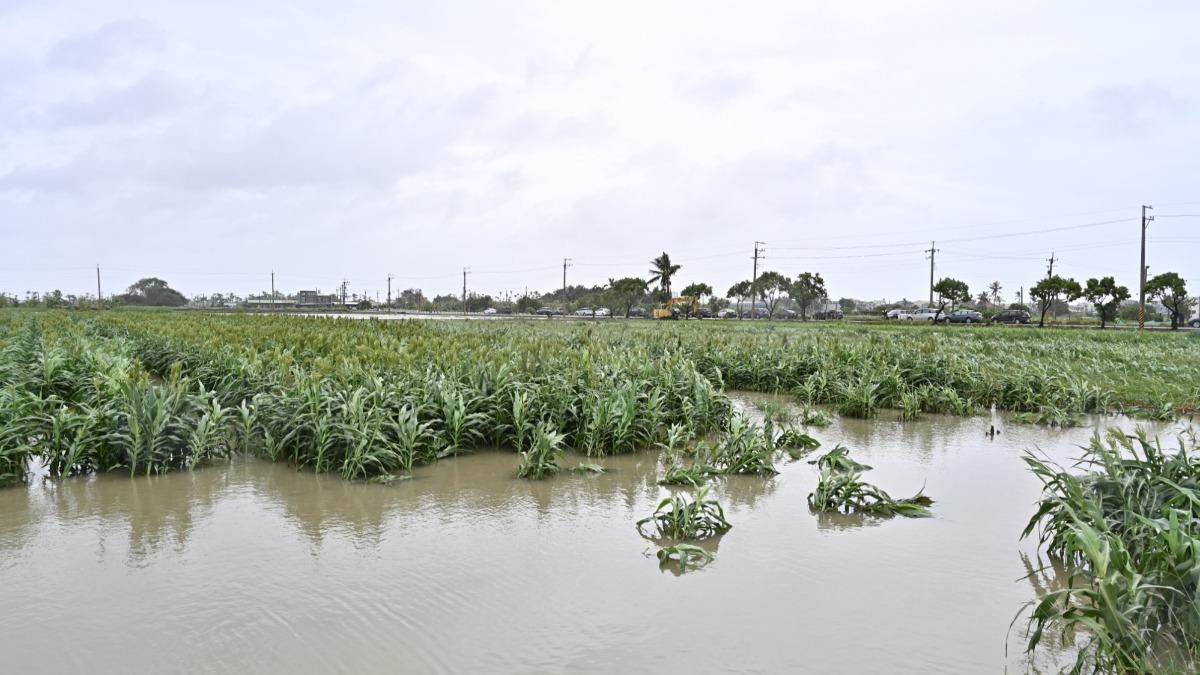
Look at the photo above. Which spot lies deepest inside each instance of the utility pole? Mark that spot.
(1050, 273)
(344, 282)
(272, 290)
(758, 251)
(1142, 270)
(933, 251)
(389, 291)
(99, 298)
(465, 271)
(566, 264)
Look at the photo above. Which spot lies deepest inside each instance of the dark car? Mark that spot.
(756, 313)
(637, 313)
(549, 311)
(704, 313)
(829, 315)
(1011, 316)
(965, 316)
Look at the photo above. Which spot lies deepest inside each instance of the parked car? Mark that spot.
(830, 315)
(490, 310)
(756, 313)
(584, 311)
(603, 312)
(549, 311)
(704, 313)
(965, 316)
(727, 313)
(637, 313)
(788, 314)
(1011, 316)
(922, 314)
(896, 314)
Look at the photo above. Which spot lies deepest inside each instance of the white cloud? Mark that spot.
(350, 141)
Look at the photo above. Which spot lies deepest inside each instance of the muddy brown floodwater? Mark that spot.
(253, 567)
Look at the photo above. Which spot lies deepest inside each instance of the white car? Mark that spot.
(895, 314)
(490, 310)
(583, 311)
(603, 312)
(923, 314)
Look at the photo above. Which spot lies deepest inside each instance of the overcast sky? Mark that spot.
(210, 143)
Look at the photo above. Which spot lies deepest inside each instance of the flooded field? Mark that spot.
(256, 567)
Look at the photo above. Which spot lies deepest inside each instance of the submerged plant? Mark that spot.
(840, 488)
(588, 468)
(680, 517)
(683, 554)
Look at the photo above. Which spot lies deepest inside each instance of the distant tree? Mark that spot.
(983, 299)
(847, 305)
(807, 289)
(740, 290)
(1049, 289)
(1106, 296)
(697, 290)
(1171, 290)
(1129, 312)
(950, 292)
(994, 289)
(411, 298)
(628, 292)
(770, 287)
(152, 292)
(661, 271)
(526, 304)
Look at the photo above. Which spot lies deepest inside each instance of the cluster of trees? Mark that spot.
(771, 288)
(1107, 296)
(149, 292)
(1054, 292)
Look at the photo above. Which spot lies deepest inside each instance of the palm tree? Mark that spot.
(983, 298)
(661, 271)
(994, 288)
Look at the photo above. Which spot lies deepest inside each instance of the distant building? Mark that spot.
(316, 299)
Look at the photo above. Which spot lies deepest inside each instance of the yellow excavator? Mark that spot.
(687, 305)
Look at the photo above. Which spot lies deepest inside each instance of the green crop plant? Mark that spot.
(541, 458)
(1129, 525)
(840, 488)
(681, 517)
(683, 555)
(584, 467)
(743, 448)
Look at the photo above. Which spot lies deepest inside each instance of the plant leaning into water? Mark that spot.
(541, 458)
(840, 489)
(683, 554)
(681, 517)
(1130, 527)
